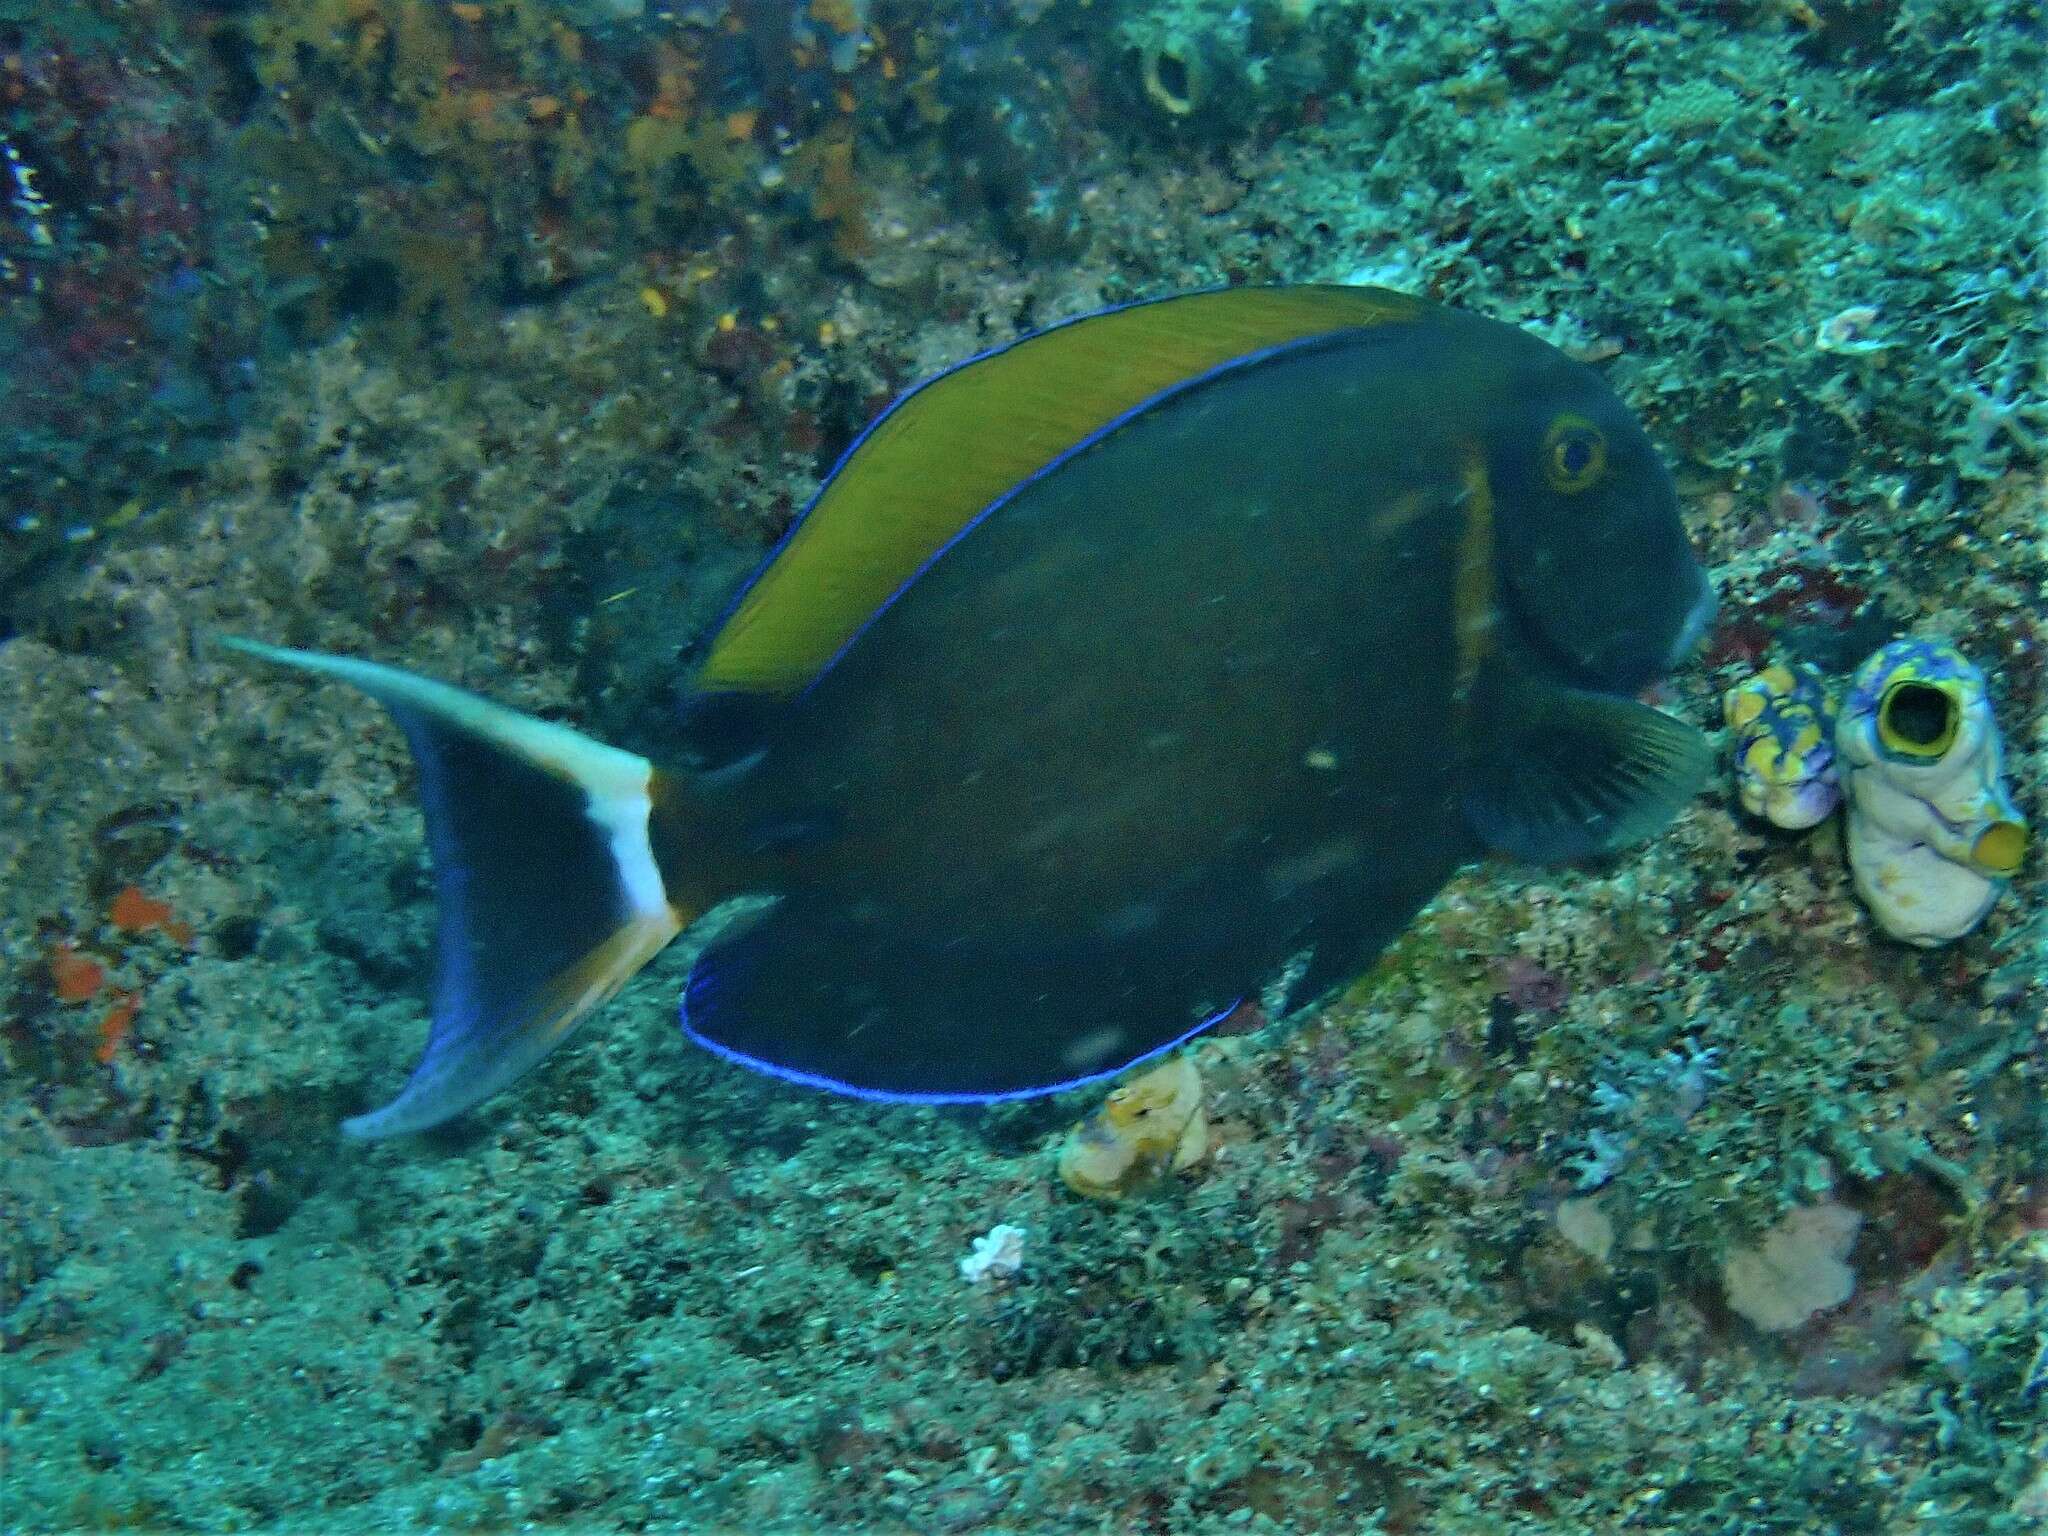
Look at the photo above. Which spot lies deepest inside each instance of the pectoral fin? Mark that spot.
(1569, 775)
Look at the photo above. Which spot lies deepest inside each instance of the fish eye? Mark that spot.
(1574, 454)
(1917, 720)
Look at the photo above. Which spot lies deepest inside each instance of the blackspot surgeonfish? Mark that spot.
(1171, 656)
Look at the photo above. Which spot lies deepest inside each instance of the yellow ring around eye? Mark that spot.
(1918, 719)
(2000, 847)
(1574, 454)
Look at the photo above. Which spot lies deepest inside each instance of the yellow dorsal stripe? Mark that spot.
(950, 448)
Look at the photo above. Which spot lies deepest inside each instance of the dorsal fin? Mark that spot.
(952, 446)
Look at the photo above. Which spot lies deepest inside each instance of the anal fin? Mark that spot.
(875, 1008)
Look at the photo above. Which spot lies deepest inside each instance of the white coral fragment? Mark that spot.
(1799, 1268)
(996, 1255)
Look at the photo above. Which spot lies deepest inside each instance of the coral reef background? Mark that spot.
(500, 337)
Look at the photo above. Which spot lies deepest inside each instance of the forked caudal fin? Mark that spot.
(550, 896)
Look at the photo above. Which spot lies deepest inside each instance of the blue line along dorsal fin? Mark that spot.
(549, 895)
(954, 446)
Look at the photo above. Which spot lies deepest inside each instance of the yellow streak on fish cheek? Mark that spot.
(1472, 593)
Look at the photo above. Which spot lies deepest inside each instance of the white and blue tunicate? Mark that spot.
(1784, 724)
(1933, 833)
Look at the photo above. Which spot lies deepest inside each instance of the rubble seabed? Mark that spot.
(1506, 1238)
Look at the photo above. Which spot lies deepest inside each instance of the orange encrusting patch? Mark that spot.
(115, 1027)
(133, 912)
(74, 977)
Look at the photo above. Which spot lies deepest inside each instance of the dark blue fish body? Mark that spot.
(1189, 691)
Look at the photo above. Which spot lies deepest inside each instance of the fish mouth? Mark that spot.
(1695, 627)
(1634, 659)
(1623, 664)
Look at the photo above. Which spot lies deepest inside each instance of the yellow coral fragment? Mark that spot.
(1151, 1126)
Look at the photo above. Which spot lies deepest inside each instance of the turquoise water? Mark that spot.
(1698, 1186)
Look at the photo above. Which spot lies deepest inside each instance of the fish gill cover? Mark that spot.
(502, 339)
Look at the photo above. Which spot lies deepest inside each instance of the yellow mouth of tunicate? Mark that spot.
(2000, 847)
(1918, 720)
(1171, 80)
